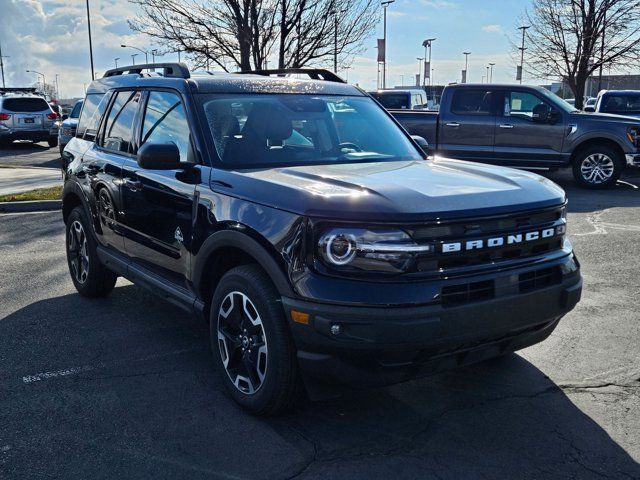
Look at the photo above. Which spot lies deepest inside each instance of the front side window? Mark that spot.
(471, 102)
(520, 104)
(165, 121)
(621, 104)
(75, 113)
(92, 110)
(118, 133)
(281, 130)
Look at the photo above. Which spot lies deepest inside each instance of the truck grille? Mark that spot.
(480, 243)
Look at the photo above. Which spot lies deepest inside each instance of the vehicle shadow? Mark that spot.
(30, 154)
(126, 385)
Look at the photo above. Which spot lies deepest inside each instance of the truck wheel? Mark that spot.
(53, 142)
(597, 167)
(89, 276)
(251, 343)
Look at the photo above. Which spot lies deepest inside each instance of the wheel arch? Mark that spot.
(227, 249)
(597, 141)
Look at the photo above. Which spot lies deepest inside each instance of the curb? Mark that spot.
(30, 206)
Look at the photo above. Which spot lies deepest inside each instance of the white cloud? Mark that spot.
(439, 4)
(493, 28)
(394, 13)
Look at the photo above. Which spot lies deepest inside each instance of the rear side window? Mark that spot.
(393, 101)
(90, 115)
(471, 102)
(75, 113)
(25, 105)
(118, 132)
(165, 121)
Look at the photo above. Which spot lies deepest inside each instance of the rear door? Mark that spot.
(521, 141)
(467, 127)
(158, 204)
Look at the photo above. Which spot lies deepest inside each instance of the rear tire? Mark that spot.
(89, 276)
(53, 142)
(597, 167)
(251, 342)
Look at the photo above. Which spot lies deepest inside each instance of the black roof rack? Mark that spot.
(5, 90)
(175, 70)
(313, 73)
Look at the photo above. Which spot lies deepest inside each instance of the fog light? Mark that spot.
(336, 329)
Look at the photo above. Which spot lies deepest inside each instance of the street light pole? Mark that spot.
(522, 49)
(44, 83)
(385, 4)
(491, 72)
(419, 68)
(604, 25)
(57, 87)
(133, 58)
(93, 75)
(466, 66)
(116, 60)
(487, 73)
(2, 66)
(146, 54)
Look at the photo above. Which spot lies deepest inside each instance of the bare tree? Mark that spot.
(572, 39)
(244, 33)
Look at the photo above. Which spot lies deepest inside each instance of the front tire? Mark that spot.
(53, 142)
(251, 343)
(89, 276)
(597, 167)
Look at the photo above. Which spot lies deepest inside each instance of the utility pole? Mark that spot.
(419, 68)
(604, 26)
(2, 66)
(116, 60)
(491, 72)
(466, 66)
(385, 4)
(93, 75)
(522, 49)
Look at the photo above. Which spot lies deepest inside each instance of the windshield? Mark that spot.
(620, 104)
(253, 131)
(557, 102)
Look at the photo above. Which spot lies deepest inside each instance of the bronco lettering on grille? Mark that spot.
(510, 239)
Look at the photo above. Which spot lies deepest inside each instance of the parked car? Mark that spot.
(67, 128)
(529, 127)
(617, 102)
(396, 99)
(26, 116)
(309, 230)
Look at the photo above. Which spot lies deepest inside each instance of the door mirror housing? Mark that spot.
(65, 116)
(422, 143)
(159, 156)
(590, 109)
(541, 113)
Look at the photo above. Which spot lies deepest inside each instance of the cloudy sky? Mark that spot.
(50, 36)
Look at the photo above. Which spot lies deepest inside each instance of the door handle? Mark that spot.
(506, 125)
(453, 124)
(133, 185)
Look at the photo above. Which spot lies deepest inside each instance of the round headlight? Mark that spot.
(340, 249)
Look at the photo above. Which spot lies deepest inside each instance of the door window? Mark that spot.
(520, 104)
(471, 102)
(165, 121)
(92, 110)
(118, 133)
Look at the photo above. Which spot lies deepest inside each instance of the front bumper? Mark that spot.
(383, 345)
(633, 159)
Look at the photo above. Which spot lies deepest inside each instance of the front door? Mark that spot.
(467, 129)
(158, 204)
(522, 141)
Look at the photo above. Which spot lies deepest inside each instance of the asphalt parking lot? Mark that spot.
(123, 387)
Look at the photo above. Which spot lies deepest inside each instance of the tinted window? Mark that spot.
(267, 130)
(118, 132)
(620, 104)
(165, 121)
(393, 101)
(471, 102)
(75, 113)
(520, 104)
(25, 104)
(90, 116)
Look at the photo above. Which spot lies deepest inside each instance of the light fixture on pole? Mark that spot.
(491, 72)
(522, 49)
(116, 61)
(427, 66)
(133, 58)
(146, 54)
(44, 84)
(385, 4)
(465, 75)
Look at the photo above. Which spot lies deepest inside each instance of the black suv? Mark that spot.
(309, 229)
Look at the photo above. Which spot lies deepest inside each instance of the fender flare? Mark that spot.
(242, 241)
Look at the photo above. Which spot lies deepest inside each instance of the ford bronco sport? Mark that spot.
(309, 229)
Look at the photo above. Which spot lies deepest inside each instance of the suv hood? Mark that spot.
(607, 117)
(393, 191)
(70, 122)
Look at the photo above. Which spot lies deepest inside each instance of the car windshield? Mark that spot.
(621, 104)
(557, 102)
(266, 130)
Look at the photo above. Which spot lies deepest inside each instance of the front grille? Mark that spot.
(487, 228)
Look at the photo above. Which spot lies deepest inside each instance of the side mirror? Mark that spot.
(65, 116)
(541, 113)
(589, 109)
(159, 156)
(422, 143)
